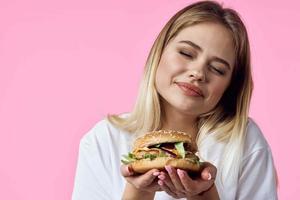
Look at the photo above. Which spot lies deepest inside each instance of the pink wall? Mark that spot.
(64, 64)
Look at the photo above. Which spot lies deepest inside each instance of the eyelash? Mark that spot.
(185, 54)
(212, 67)
(217, 70)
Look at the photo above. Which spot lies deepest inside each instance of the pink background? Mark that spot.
(65, 64)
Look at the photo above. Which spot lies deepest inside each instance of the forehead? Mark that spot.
(213, 38)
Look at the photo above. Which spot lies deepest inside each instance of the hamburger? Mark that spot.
(157, 149)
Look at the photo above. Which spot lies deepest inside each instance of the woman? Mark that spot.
(198, 80)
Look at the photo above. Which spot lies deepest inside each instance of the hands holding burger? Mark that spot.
(166, 161)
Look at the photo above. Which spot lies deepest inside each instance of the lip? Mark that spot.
(190, 89)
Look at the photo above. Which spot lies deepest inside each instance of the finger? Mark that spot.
(147, 178)
(191, 186)
(166, 179)
(154, 186)
(165, 188)
(209, 172)
(126, 170)
(208, 175)
(188, 183)
(174, 178)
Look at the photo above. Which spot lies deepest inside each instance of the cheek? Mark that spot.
(161, 79)
(168, 68)
(217, 90)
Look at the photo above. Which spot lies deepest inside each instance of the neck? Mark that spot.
(175, 120)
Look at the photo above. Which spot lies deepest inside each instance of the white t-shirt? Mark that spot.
(98, 174)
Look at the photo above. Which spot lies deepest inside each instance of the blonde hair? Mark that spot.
(230, 116)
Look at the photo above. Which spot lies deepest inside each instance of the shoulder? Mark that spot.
(257, 167)
(98, 168)
(102, 128)
(105, 133)
(255, 140)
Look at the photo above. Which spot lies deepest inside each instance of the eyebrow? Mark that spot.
(200, 49)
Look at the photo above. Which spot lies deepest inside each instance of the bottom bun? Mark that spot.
(142, 166)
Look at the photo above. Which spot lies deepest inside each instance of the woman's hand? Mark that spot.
(140, 185)
(178, 184)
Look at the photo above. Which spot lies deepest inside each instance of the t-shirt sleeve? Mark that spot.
(258, 177)
(92, 181)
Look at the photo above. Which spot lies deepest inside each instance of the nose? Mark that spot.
(197, 75)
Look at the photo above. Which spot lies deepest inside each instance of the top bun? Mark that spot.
(162, 136)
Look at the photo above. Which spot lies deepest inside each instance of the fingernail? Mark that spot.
(156, 173)
(160, 182)
(180, 173)
(161, 177)
(168, 168)
(129, 170)
(208, 176)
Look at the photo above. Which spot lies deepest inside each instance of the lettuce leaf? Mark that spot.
(127, 159)
(150, 156)
(180, 148)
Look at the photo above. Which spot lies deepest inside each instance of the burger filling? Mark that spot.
(177, 150)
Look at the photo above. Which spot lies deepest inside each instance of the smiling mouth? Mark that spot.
(189, 90)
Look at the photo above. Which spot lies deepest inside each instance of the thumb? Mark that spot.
(209, 172)
(126, 170)
(147, 178)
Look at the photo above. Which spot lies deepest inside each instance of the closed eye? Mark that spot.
(214, 69)
(185, 54)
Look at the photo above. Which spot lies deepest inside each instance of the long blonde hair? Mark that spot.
(230, 116)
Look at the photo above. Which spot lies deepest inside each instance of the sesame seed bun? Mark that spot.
(161, 136)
